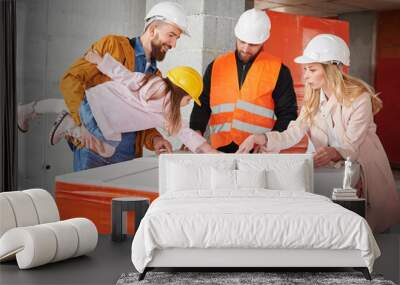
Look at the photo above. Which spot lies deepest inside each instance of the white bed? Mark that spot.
(247, 211)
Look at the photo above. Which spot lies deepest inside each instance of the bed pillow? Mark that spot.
(183, 175)
(228, 179)
(251, 178)
(223, 179)
(293, 179)
(280, 175)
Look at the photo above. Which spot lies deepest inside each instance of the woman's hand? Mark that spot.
(185, 148)
(251, 142)
(161, 145)
(93, 57)
(206, 148)
(326, 154)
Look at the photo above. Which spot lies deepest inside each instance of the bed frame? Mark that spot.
(242, 259)
(250, 259)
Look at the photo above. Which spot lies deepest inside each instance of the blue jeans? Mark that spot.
(84, 158)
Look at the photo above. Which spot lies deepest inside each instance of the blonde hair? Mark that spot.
(172, 107)
(345, 87)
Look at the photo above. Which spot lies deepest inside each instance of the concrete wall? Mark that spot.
(362, 44)
(51, 34)
(211, 24)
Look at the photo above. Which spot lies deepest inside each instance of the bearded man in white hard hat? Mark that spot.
(164, 24)
(246, 91)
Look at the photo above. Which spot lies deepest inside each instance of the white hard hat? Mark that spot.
(253, 26)
(325, 48)
(171, 12)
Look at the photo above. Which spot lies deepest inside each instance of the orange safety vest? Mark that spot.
(237, 113)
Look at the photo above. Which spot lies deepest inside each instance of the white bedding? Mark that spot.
(250, 218)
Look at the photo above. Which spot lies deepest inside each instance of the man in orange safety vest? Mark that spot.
(246, 91)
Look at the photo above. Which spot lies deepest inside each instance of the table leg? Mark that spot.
(117, 222)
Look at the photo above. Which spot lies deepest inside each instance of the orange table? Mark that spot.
(89, 193)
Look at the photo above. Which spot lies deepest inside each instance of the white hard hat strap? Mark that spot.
(335, 62)
(152, 19)
(160, 18)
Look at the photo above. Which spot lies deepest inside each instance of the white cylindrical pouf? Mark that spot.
(45, 205)
(67, 239)
(87, 233)
(7, 218)
(33, 246)
(23, 208)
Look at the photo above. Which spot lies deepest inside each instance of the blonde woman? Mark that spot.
(338, 117)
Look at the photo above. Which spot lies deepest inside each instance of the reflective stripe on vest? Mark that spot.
(255, 109)
(243, 126)
(222, 108)
(220, 128)
(236, 124)
(237, 113)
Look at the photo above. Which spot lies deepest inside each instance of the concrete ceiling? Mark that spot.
(326, 8)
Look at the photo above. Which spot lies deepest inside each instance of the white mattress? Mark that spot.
(251, 218)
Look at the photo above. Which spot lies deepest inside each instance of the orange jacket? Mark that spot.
(237, 113)
(82, 75)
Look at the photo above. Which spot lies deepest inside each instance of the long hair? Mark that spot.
(172, 107)
(346, 89)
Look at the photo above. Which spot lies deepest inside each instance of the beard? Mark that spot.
(245, 57)
(157, 51)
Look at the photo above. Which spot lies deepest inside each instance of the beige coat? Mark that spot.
(356, 132)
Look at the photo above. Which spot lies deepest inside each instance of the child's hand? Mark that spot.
(93, 57)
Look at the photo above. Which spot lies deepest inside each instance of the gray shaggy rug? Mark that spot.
(230, 278)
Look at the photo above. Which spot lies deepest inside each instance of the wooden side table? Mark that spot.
(356, 205)
(124, 204)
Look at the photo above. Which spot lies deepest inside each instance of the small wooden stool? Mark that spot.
(125, 204)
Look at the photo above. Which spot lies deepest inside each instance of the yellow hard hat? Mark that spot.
(188, 79)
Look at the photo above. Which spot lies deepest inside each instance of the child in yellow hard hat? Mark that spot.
(131, 101)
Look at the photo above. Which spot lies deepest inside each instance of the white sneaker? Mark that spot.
(25, 113)
(62, 125)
